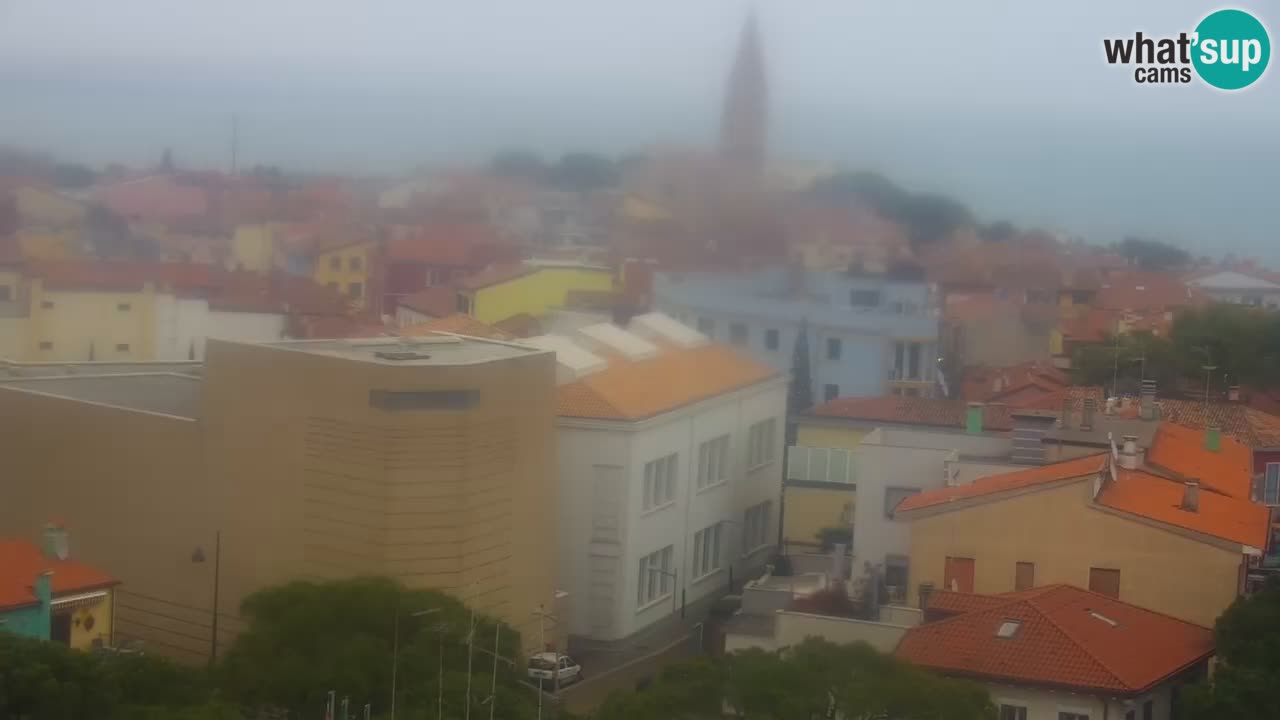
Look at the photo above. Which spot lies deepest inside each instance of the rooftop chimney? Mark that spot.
(1233, 393)
(1147, 408)
(1129, 453)
(926, 589)
(1212, 438)
(55, 542)
(1086, 415)
(1191, 496)
(973, 418)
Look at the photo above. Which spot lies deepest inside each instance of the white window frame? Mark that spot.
(707, 551)
(1270, 497)
(659, 487)
(1015, 704)
(760, 443)
(713, 463)
(654, 587)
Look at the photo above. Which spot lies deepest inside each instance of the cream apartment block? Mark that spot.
(429, 460)
(670, 471)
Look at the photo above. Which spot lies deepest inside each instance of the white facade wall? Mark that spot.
(1044, 704)
(606, 531)
(184, 324)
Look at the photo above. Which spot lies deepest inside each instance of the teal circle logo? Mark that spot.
(1231, 49)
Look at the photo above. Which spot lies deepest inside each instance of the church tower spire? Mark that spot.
(744, 123)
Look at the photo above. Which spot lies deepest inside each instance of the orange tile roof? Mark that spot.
(457, 323)
(22, 561)
(1252, 427)
(1061, 642)
(638, 389)
(442, 244)
(436, 301)
(1181, 450)
(1004, 482)
(1141, 290)
(1158, 498)
(907, 410)
(122, 275)
(496, 274)
(520, 325)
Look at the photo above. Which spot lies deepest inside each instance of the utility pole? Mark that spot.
(471, 640)
(493, 682)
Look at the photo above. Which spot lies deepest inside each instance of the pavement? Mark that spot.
(589, 694)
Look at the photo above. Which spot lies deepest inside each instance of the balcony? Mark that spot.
(820, 465)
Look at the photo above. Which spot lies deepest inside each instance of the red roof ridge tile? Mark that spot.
(998, 483)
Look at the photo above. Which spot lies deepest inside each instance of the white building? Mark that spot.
(1239, 289)
(184, 324)
(670, 454)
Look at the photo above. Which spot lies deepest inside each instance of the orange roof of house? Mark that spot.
(908, 410)
(123, 275)
(1158, 498)
(436, 301)
(442, 243)
(458, 323)
(638, 389)
(22, 561)
(521, 325)
(1252, 427)
(1143, 290)
(1003, 482)
(496, 274)
(1181, 450)
(1065, 637)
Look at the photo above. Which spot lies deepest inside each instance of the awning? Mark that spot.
(77, 601)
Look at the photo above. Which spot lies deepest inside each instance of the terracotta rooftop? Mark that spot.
(153, 198)
(1252, 427)
(1004, 482)
(521, 325)
(1142, 290)
(21, 561)
(442, 243)
(458, 323)
(120, 275)
(1181, 450)
(1159, 498)
(638, 389)
(436, 301)
(1059, 636)
(907, 410)
(1140, 492)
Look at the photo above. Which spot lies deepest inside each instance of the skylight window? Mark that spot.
(1008, 628)
(1099, 616)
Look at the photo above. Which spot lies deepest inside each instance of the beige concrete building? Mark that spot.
(431, 461)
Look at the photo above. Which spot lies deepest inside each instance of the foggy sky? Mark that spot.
(1006, 104)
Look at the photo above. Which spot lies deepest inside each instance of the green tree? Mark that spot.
(1243, 343)
(47, 681)
(815, 679)
(1119, 367)
(928, 218)
(1151, 254)
(305, 639)
(73, 175)
(1248, 646)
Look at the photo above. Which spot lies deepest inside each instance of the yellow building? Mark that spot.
(496, 294)
(51, 225)
(252, 248)
(70, 320)
(47, 594)
(821, 484)
(431, 461)
(347, 269)
(1142, 535)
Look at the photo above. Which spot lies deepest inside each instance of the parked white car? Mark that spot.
(550, 668)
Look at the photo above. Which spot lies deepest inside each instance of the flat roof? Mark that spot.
(25, 369)
(164, 393)
(434, 350)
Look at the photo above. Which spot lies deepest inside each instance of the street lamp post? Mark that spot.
(198, 557)
(395, 649)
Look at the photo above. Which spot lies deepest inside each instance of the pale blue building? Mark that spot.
(868, 334)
